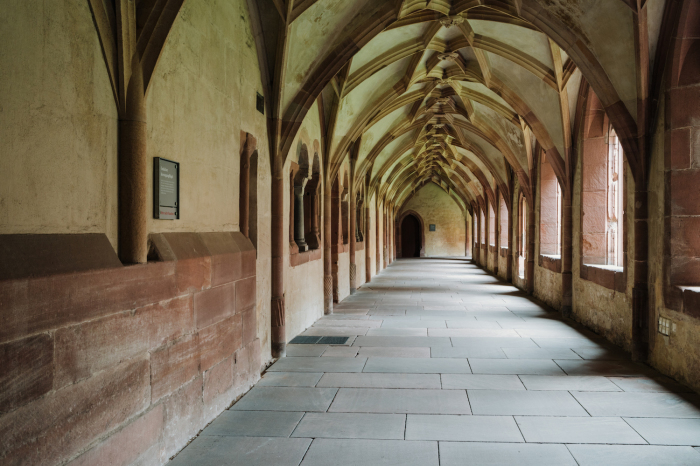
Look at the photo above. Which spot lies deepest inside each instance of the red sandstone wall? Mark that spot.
(118, 364)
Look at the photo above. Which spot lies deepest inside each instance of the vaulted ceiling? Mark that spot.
(455, 92)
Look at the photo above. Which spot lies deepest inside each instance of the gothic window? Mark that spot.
(550, 210)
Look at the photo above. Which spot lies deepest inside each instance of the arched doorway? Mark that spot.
(411, 240)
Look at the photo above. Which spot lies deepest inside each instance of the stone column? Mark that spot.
(133, 172)
(278, 336)
(352, 227)
(299, 217)
(379, 238)
(368, 217)
(567, 252)
(313, 187)
(327, 252)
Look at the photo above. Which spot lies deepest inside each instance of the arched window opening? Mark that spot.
(492, 225)
(550, 210)
(299, 178)
(312, 208)
(248, 189)
(359, 218)
(602, 192)
(522, 236)
(345, 207)
(503, 221)
(482, 226)
(614, 225)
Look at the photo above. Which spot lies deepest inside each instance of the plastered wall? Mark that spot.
(435, 206)
(201, 96)
(303, 284)
(360, 267)
(548, 285)
(59, 121)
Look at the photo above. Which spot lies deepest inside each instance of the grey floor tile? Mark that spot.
(437, 313)
(242, 451)
(571, 382)
(286, 399)
(472, 332)
(567, 343)
(490, 454)
(340, 352)
(601, 354)
(493, 342)
(290, 379)
(481, 382)
(335, 331)
(467, 352)
(649, 384)
(352, 425)
(462, 428)
(347, 323)
(351, 311)
(372, 400)
(667, 431)
(540, 353)
(402, 341)
(515, 366)
(413, 323)
(254, 424)
(634, 455)
(325, 452)
(605, 430)
(302, 364)
(397, 332)
(472, 323)
(607, 368)
(418, 366)
(375, 380)
(384, 312)
(393, 352)
(305, 350)
(640, 404)
(524, 403)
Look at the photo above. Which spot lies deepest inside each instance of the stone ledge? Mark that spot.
(606, 276)
(504, 252)
(304, 257)
(550, 262)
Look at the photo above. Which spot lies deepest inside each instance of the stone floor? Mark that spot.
(446, 365)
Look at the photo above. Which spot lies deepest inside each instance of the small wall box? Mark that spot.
(432, 227)
(166, 189)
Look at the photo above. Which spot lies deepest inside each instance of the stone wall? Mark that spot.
(436, 207)
(124, 361)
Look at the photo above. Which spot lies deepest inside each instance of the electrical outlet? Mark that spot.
(665, 326)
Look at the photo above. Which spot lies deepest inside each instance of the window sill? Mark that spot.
(504, 252)
(608, 276)
(492, 248)
(304, 257)
(690, 296)
(550, 262)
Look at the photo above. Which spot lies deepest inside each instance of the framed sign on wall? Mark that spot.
(166, 189)
(432, 227)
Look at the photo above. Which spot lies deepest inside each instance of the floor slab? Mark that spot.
(376, 380)
(254, 424)
(481, 382)
(515, 366)
(393, 352)
(324, 452)
(352, 426)
(242, 451)
(400, 401)
(418, 366)
(303, 364)
(402, 341)
(606, 430)
(286, 399)
(667, 431)
(631, 455)
(572, 382)
(489, 454)
(639, 404)
(462, 428)
(524, 403)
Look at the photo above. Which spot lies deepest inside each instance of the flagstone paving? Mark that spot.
(445, 365)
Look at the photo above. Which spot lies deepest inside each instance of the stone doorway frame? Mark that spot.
(399, 221)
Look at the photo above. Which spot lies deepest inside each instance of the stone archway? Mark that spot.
(416, 241)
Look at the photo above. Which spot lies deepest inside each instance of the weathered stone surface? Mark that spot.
(174, 365)
(26, 370)
(183, 417)
(215, 304)
(219, 341)
(86, 348)
(59, 426)
(250, 323)
(217, 380)
(137, 443)
(245, 293)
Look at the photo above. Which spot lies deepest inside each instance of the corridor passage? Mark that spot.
(447, 366)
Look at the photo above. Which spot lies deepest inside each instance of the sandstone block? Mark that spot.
(215, 304)
(173, 366)
(26, 370)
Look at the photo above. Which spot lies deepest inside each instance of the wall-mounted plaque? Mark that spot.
(432, 227)
(166, 189)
